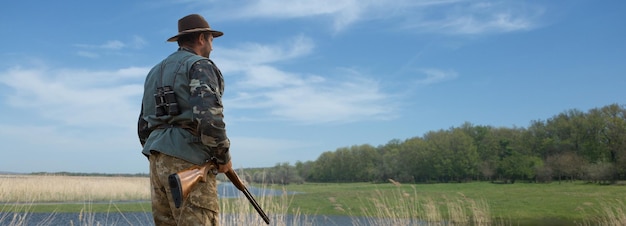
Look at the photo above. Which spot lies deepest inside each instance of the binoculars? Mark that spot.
(166, 101)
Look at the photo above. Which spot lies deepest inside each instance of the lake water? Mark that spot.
(228, 190)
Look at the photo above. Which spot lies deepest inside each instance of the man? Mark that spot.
(181, 124)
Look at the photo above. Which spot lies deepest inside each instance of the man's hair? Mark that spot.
(191, 38)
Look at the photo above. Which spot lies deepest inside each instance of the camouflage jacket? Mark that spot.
(198, 132)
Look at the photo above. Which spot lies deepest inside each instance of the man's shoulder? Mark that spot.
(203, 62)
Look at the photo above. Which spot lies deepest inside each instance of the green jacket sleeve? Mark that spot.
(206, 88)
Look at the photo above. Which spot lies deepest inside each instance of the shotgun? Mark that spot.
(182, 182)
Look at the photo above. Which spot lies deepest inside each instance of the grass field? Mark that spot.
(478, 203)
(520, 203)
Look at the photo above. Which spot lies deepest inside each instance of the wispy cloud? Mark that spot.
(111, 45)
(474, 18)
(74, 97)
(425, 16)
(435, 76)
(89, 97)
(93, 50)
(87, 54)
(345, 96)
(247, 54)
(73, 113)
(320, 101)
(340, 12)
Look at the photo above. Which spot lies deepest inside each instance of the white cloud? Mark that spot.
(115, 44)
(346, 96)
(320, 100)
(74, 97)
(343, 12)
(87, 50)
(436, 76)
(470, 17)
(247, 54)
(138, 42)
(87, 54)
(424, 16)
(264, 76)
(88, 98)
(112, 45)
(336, 101)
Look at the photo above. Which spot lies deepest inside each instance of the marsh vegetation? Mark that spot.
(390, 203)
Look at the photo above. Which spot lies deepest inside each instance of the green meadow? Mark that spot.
(516, 204)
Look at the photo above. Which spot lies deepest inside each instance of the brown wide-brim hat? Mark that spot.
(191, 24)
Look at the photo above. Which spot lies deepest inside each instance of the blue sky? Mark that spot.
(302, 77)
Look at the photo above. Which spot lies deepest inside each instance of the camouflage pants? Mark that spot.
(200, 208)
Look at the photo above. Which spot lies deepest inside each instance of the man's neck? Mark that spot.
(188, 49)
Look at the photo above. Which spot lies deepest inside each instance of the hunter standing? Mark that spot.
(181, 124)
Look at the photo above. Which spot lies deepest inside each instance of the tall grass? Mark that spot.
(612, 212)
(53, 188)
(239, 211)
(403, 208)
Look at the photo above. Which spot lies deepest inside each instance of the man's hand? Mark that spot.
(225, 168)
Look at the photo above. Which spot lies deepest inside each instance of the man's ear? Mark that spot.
(201, 39)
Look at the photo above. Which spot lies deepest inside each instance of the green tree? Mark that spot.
(572, 144)
(416, 160)
(568, 164)
(454, 154)
(366, 157)
(614, 136)
(520, 167)
(304, 169)
(284, 173)
(323, 169)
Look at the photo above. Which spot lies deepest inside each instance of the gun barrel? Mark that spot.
(233, 177)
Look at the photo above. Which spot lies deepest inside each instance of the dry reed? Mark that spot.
(35, 188)
(411, 209)
(612, 212)
(239, 211)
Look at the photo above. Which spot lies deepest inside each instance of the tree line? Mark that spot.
(572, 145)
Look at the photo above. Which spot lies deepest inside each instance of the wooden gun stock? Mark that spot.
(182, 182)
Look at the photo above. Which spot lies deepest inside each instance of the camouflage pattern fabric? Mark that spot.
(208, 110)
(200, 208)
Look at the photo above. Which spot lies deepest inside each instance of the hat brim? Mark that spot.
(214, 32)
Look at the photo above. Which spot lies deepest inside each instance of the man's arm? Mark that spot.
(206, 87)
